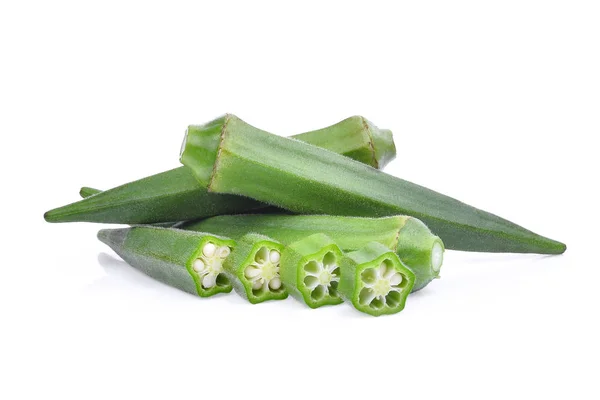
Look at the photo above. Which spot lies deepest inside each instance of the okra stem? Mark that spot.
(176, 195)
(190, 261)
(414, 243)
(230, 156)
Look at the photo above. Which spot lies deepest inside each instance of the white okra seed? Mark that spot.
(257, 284)
(275, 283)
(274, 256)
(251, 271)
(224, 251)
(198, 265)
(209, 249)
(209, 281)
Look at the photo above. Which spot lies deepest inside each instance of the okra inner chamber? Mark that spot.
(209, 265)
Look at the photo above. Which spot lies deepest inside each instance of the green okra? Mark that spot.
(375, 280)
(417, 247)
(310, 270)
(86, 191)
(190, 261)
(230, 156)
(254, 269)
(176, 195)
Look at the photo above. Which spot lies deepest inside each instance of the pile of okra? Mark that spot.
(312, 216)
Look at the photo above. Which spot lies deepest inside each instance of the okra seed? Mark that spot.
(251, 272)
(274, 256)
(209, 281)
(275, 283)
(198, 265)
(209, 249)
(224, 251)
(257, 284)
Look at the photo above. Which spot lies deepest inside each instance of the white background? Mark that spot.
(495, 103)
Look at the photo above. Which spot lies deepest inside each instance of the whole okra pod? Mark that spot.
(375, 280)
(416, 246)
(176, 195)
(190, 261)
(228, 155)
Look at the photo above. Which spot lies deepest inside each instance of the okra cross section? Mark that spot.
(375, 281)
(416, 246)
(311, 272)
(190, 261)
(254, 267)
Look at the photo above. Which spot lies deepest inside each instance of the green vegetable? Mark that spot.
(375, 280)
(229, 156)
(310, 270)
(176, 195)
(88, 191)
(414, 243)
(189, 261)
(254, 268)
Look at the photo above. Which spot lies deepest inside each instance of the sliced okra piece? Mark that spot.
(254, 268)
(176, 195)
(310, 270)
(375, 281)
(228, 155)
(417, 247)
(190, 261)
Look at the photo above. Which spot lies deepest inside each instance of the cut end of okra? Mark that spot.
(311, 270)
(263, 272)
(383, 286)
(256, 265)
(321, 279)
(437, 256)
(190, 261)
(207, 267)
(375, 280)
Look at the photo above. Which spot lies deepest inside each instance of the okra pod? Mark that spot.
(230, 156)
(190, 261)
(414, 243)
(254, 269)
(310, 270)
(374, 280)
(86, 191)
(176, 195)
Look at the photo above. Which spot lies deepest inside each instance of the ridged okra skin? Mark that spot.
(176, 195)
(254, 269)
(310, 270)
(355, 138)
(173, 195)
(86, 191)
(230, 156)
(375, 281)
(190, 261)
(414, 243)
